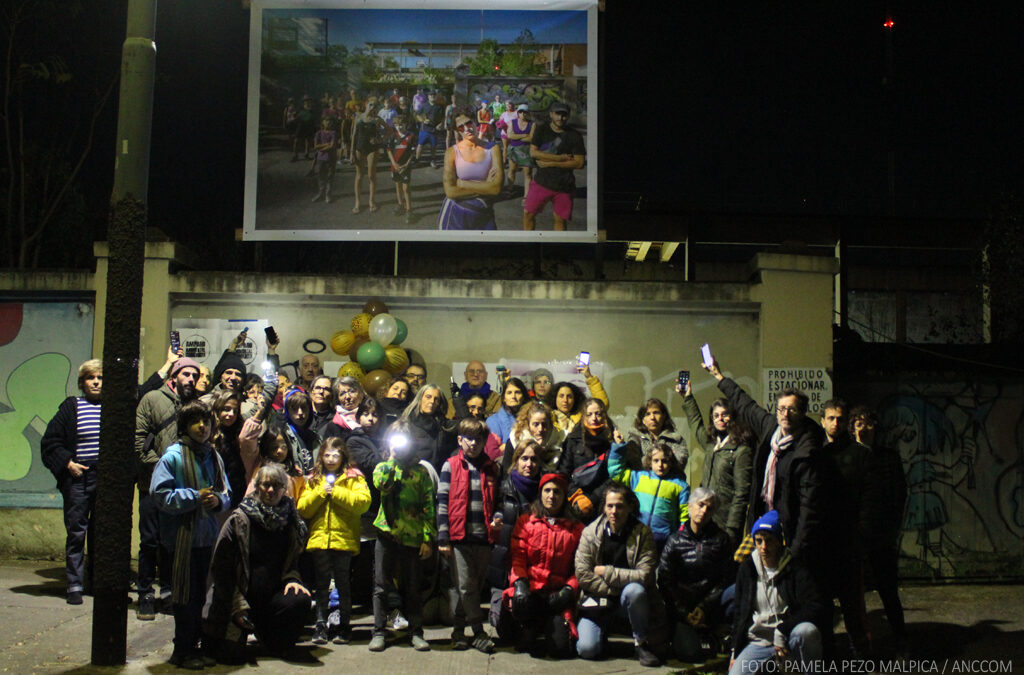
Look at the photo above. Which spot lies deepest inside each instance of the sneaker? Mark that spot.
(645, 656)
(334, 618)
(320, 634)
(75, 598)
(396, 621)
(377, 643)
(343, 636)
(146, 610)
(419, 644)
(482, 642)
(459, 641)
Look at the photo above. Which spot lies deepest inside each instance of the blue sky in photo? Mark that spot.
(355, 27)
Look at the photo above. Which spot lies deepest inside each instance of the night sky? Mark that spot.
(753, 107)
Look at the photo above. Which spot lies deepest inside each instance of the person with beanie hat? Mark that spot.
(541, 382)
(542, 585)
(780, 609)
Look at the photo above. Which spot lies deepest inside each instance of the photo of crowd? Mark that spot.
(414, 124)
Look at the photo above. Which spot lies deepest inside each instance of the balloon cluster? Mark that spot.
(372, 346)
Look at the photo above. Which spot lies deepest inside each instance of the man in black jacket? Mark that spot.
(780, 611)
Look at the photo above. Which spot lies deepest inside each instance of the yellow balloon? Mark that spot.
(395, 359)
(342, 341)
(361, 324)
(351, 369)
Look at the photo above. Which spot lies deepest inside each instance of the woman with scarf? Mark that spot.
(431, 437)
(569, 399)
(535, 422)
(302, 442)
(348, 394)
(518, 491)
(728, 458)
(543, 589)
(589, 441)
(512, 399)
(653, 428)
(254, 575)
(189, 488)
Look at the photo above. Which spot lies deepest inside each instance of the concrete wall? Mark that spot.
(642, 333)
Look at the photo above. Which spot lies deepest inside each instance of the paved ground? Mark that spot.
(967, 629)
(284, 191)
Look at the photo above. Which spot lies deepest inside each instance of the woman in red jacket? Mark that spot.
(543, 588)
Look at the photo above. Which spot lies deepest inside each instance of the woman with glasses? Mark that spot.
(473, 176)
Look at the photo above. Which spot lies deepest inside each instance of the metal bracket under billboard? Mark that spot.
(412, 121)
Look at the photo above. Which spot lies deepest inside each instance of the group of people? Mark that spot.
(483, 149)
(519, 515)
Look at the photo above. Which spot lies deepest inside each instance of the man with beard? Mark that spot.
(155, 431)
(558, 151)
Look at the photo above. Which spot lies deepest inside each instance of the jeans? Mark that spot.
(79, 501)
(392, 559)
(804, 647)
(633, 604)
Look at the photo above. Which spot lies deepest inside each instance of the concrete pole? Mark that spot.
(112, 543)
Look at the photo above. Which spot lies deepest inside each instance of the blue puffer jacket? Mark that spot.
(177, 502)
(663, 501)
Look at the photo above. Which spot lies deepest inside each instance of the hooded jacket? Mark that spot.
(334, 520)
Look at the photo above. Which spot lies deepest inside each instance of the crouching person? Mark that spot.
(254, 576)
(779, 607)
(615, 566)
(542, 592)
(189, 487)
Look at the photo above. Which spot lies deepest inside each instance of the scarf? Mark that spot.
(779, 444)
(273, 518)
(194, 478)
(721, 438)
(345, 418)
(526, 486)
(465, 391)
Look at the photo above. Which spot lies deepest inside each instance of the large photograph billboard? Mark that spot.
(384, 120)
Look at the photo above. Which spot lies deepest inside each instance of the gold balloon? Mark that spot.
(351, 369)
(374, 380)
(361, 324)
(342, 341)
(375, 306)
(395, 359)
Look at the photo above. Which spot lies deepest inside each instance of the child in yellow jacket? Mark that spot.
(334, 497)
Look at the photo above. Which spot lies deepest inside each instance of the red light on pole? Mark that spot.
(889, 23)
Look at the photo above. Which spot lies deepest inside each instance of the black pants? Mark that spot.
(278, 618)
(79, 501)
(884, 565)
(392, 559)
(152, 556)
(188, 616)
(552, 625)
(334, 564)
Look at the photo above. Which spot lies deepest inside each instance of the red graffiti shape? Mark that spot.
(10, 322)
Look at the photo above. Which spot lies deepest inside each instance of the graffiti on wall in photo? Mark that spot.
(41, 345)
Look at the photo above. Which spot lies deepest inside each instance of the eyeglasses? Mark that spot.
(784, 410)
(271, 486)
(321, 388)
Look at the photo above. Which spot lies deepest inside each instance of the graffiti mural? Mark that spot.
(961, 449)
(538, 93)
(41, 346)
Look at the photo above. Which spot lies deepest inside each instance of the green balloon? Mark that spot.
(370, 356)
(403, 332)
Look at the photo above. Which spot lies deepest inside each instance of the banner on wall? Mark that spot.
(352, 96)
(204, 340)
(815, 382)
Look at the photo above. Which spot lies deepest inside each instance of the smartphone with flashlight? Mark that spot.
(175, 341)
(582, 360)
(705, 353)
(683, 379)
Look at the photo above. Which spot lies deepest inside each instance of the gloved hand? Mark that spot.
(520, 596)
(561, 598)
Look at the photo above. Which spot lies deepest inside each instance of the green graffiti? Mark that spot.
(34, 390)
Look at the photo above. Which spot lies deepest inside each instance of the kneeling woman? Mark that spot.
(543, 587)
(255, 577)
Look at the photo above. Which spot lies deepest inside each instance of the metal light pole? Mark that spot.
(126, 236)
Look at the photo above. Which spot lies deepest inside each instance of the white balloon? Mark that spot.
(383, 329)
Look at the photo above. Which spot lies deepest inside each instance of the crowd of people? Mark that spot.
(481, 148)
(519, 515)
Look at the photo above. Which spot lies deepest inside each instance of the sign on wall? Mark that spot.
(815, 382)
(330, 81)
(204, 340)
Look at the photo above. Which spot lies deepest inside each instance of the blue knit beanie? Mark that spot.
(769, 523)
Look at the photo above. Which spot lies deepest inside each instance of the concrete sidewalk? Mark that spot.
(966, 628)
